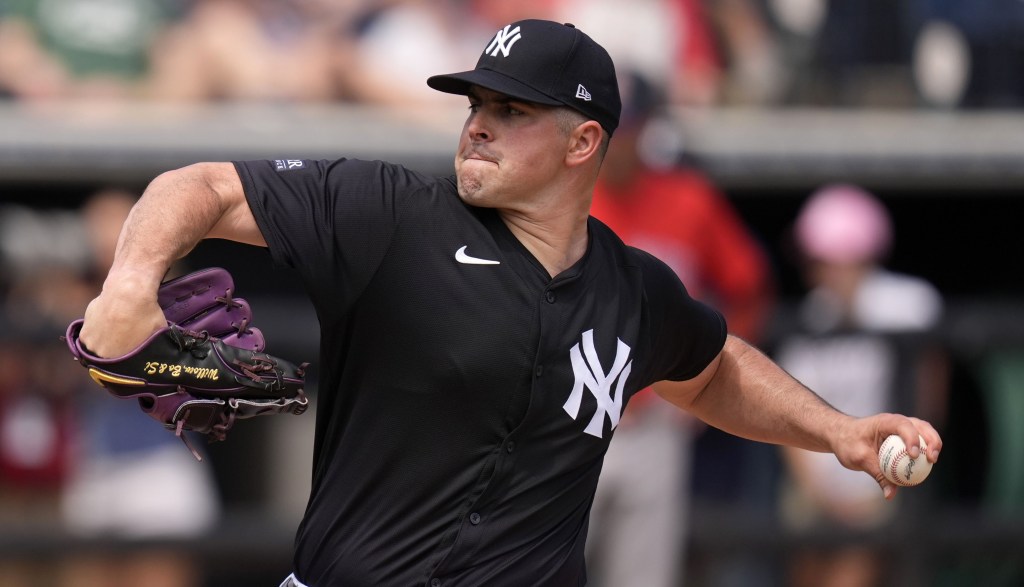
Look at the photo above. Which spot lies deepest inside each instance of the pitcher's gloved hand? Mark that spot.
(206, 369)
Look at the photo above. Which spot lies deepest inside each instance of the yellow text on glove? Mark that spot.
(153, 367)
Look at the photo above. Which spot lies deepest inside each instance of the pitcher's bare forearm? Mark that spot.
(767, 404)
(178, 210)
(746, 394)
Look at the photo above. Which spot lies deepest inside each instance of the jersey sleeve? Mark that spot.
(687, 334)
(332, 221)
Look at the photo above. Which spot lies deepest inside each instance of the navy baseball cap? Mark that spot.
(544, 62)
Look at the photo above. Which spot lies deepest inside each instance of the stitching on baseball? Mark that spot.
(894, 467)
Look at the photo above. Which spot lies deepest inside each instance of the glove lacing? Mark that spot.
(241, 327)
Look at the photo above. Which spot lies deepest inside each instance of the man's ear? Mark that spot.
(584, 143)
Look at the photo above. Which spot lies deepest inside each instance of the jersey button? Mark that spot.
(540, 370)
(474, 518)
(511, 446)
(435, 582)
(549, 296)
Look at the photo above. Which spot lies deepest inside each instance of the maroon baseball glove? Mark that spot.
(206, 369)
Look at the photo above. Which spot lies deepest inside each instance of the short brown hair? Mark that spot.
(569, 118)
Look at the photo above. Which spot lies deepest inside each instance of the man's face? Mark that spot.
(508, 151)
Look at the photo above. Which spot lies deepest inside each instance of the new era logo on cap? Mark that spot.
(553, 64)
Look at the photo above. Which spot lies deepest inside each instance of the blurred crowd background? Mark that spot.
(889, 291)
(905, 53)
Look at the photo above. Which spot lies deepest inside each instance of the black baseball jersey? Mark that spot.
(466, 398)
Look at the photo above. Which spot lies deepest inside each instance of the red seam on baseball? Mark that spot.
(895, 470)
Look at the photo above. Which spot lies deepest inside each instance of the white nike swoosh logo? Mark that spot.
(462, 257)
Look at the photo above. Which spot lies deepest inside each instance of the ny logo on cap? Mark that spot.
(503, 41)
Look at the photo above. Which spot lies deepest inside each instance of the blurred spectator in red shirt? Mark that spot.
(639, 517)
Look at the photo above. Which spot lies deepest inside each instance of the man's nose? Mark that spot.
(477, 128)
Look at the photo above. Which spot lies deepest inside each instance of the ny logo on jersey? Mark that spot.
(503, 41)
(586, 366)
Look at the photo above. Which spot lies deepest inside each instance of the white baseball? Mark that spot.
(898, 467)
